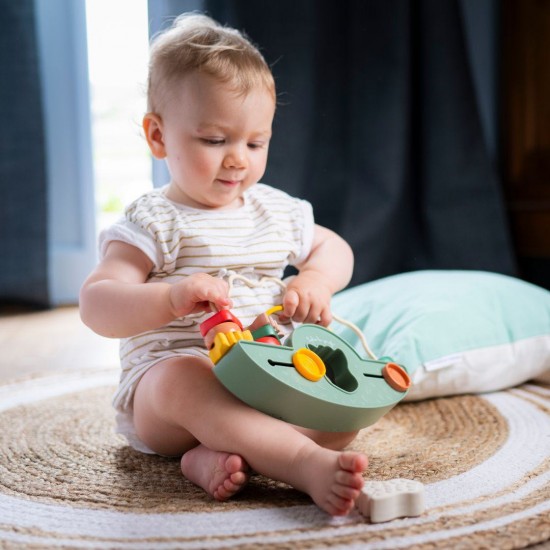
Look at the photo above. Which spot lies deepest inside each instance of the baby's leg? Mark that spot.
(330, 440)
(220, 474)
(179, 402)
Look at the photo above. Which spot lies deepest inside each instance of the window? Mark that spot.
(117, 58)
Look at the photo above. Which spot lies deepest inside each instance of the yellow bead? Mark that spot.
(224, 341)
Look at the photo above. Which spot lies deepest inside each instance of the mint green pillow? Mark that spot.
(455, 331)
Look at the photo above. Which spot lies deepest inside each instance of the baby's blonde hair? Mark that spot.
(196, 42)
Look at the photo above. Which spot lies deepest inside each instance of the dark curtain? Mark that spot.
(378, 127)
(23, 206)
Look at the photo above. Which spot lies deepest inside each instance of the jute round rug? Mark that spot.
(66, 480)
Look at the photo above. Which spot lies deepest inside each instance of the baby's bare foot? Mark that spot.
(339, 479)
(219, 474)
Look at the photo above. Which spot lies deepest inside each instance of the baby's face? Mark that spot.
(216, 141)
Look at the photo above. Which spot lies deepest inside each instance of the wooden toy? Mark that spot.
(386, 500)
(315, 380)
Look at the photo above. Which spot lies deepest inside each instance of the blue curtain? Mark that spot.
(378, 126)
(23, 206)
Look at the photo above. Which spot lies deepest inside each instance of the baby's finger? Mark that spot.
(290, 303)
(220, 299)
(326, 317)
(302, 314)
(216, 292)
(223, 303)
(316, 313)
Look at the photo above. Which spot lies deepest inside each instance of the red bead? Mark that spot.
(220, 317)
(269, 340)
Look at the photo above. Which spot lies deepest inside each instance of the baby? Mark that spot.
(211, 102)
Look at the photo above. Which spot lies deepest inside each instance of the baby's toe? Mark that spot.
(238, 479)
(338, 506)
(346, 492)
(235, 464)
(353, 462)
(348, 479)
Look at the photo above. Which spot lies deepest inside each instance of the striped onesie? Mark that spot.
(270, 231)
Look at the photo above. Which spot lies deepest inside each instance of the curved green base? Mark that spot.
(352, 395)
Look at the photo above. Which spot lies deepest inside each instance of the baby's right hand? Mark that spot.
(196, 292)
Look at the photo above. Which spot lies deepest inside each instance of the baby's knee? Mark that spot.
(168, 381)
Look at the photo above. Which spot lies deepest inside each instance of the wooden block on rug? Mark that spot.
(386, 500)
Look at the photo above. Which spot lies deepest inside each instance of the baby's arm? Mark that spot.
(115, 301)
(327, 269)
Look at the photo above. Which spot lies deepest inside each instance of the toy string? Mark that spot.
(254, 284)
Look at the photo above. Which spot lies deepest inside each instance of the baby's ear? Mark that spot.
(152, 126)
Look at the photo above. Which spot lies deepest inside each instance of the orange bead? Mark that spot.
(397, 377)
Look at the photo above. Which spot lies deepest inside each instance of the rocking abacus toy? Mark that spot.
(315, 380)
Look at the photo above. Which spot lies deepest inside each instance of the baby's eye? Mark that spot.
(256, 145)
(213, 141)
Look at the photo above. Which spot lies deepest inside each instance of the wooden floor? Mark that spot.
(37, 343)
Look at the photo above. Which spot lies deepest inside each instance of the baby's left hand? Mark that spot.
(307, 299)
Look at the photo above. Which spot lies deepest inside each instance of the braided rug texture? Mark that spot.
(66, 480)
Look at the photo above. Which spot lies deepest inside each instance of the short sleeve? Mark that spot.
(304, 217)
(129, 233)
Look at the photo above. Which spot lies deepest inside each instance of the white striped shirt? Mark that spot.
(269, 232)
